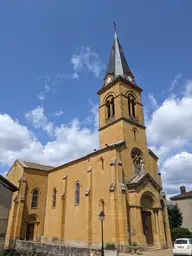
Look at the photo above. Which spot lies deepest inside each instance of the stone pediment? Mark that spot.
(141, 178)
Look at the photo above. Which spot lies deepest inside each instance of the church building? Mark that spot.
(62, 204)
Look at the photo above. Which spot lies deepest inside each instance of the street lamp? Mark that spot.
(102, 217)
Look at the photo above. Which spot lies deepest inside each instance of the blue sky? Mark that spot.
(53, 59)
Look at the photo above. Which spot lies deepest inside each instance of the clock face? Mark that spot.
(130, 78)
(108, 79)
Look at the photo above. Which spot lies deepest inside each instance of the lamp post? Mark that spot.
(102, 217)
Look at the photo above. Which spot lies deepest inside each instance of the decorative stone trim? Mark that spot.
(147, 179)
(89, 169)
(65, 177)
(128, 120)
(62, 196)
(162, 195)
(122, 187)
(119, 163)
(126, 83)
(87, 191)
(112, 187)
(112, 163)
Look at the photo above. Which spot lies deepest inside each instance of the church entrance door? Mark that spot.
(30, 231)
(147, 227)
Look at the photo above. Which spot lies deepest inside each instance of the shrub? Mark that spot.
(110, 246)
(134, 244)
(180, 233)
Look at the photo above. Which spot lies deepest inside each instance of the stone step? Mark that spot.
(153, 248)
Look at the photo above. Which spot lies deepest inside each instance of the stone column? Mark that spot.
(154, 228)
(20, 209)
(161, 239)
(167, 227)
(156, 220)
(113, 200)
(137, 234)
(122, 207)
(63, 208)
(88, 195)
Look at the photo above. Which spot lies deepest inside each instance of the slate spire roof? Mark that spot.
(117, 62)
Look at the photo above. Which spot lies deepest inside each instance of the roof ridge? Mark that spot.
(35, 163)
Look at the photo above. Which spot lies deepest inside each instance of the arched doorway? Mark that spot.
(146, 212)
(30, 228)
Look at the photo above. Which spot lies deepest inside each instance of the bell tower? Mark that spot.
(121, 110)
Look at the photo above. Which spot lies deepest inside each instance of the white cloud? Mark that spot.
(188, 88)
(69, 142)
(47, 88)
(67, 76)
(39, 120)
(175, 82)
(59, 113)
(152, 101)
(170, 125)
(176, 171)
(84, 60)
(87, 60)
(170, 137)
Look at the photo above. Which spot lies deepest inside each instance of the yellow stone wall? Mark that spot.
(81, 223)
(35, 179)
(26, 180)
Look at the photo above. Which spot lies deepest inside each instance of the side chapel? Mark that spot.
(62, 204)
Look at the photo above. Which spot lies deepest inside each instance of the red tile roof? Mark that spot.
(182, 196)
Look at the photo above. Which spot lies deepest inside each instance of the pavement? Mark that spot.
(166, 252)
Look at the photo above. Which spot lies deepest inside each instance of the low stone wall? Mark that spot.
(26, 248)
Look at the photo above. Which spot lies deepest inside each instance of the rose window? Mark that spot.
(137, 157)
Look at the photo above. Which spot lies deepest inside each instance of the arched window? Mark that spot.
(135, 133)
(54, 197)
(131, 105)
(77, 193)
(35, 197)
(102, 205)
(110, 107)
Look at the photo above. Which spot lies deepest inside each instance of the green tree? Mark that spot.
(180, 233)
(175, 215)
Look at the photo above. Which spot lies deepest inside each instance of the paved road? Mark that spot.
(167, 252)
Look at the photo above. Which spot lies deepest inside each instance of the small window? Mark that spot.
(102, 205)
(181, 241)
(54, 197)
(35, 197)
(135, 131)
(77, 194)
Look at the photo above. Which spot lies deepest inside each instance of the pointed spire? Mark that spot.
(115, 30)
(117, 63)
